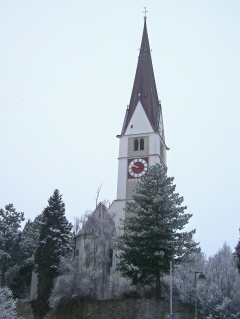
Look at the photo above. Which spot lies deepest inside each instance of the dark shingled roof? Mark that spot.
(144, 87)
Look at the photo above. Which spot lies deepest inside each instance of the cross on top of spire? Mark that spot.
(145, 12)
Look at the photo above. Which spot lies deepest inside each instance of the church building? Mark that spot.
(141, 144)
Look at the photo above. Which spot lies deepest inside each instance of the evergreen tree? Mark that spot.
(10, 235)
(54, 242)
(153, 230)
(237, 253)
(20, 283)
(30, 239)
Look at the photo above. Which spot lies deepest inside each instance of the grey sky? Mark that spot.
(67, 70)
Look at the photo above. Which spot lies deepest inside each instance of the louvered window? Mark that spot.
(136, 144)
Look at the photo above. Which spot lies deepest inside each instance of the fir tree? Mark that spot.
(54, 242)
(10, 235)
(237, 253)
(21, 282)
(30, 239)
(153, 230)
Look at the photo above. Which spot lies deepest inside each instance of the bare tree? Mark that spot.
(98, 192)
(98, 232)
(88, 275)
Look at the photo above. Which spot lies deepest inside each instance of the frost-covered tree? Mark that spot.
(87, 276)
(54, 242)
(73, 283)
(10, 235)
(153, 231)
(98, 232)
(220, 295)
(7, 304)
(184, 277)
(66, 284)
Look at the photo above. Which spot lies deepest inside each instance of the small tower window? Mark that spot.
(136, 144)
(141, 144)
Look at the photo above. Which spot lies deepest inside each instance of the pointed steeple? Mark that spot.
(144, 87)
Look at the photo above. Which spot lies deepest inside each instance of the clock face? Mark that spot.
(137, 167)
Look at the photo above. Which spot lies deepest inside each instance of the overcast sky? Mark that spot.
(66, 75)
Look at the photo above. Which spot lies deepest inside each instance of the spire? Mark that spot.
(144, 87)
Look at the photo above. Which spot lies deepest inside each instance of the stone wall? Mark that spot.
(120, 309)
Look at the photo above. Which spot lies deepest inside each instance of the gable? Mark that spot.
(139, 122)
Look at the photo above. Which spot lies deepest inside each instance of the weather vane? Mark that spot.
(145, 12)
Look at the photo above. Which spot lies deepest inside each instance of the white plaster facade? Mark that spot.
(155, 151)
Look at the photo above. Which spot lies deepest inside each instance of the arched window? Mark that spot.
(141, 144)
(77, 252)
(136, 144)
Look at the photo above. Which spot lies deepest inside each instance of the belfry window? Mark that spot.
(136, 144)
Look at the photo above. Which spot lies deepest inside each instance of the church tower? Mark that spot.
(142, 141)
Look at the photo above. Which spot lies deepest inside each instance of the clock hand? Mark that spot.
(133, 165)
